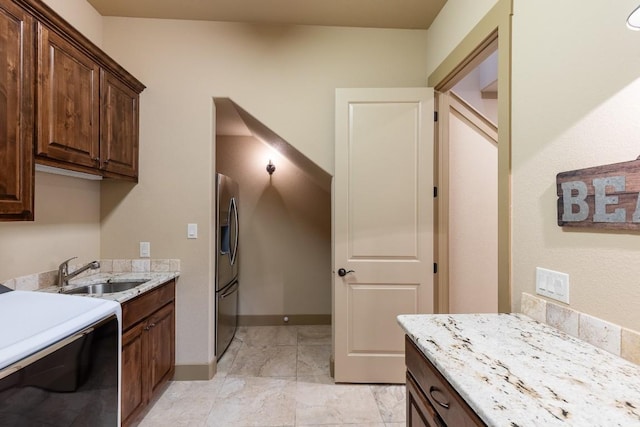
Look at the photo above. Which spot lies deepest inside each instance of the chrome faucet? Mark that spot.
(63, 271)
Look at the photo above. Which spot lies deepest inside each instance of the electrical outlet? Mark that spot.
(552, 284)
(145, 250)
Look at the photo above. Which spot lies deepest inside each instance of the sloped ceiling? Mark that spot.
(407, 14)
(233, 120)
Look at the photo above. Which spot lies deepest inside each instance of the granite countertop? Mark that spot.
(154, 279)
(514, 371)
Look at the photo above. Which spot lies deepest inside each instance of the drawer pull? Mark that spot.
(432, 391)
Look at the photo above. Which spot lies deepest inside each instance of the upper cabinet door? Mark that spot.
(118, 126)
(68, 101)
(16, 113)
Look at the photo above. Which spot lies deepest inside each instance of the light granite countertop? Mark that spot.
(514, 371)
(153, 280)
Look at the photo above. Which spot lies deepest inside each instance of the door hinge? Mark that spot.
(435, 192)
(435, 116)
(435, 268)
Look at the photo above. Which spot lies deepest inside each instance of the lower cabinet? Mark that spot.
(148, 348)
(431, 400)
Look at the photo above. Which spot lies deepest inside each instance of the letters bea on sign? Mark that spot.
(603, 197)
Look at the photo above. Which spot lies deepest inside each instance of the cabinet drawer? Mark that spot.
(447, 402)
(143, 305)
(420, 413)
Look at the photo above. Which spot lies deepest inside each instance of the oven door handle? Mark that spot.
(15, 367)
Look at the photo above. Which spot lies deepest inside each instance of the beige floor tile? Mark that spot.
(268, 335)
(316, 379)
(184, 403)
(247, 401)
(326, 403)
(226, 361)
(346, 425)
(391, 401)
(314, 335)
(171, 420)
(265, 361)
(277, 376)
(313, 360)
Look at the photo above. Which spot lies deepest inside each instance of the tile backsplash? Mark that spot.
(37, 281)
(613, 338)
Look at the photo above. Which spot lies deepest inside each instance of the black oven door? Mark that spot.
(71, 383)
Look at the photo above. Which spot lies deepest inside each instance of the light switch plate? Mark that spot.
(145, 250)
(192, 231)
(552, 284)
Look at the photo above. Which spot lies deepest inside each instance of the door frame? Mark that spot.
(495, 27)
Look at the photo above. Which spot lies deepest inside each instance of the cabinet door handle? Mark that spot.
(152, 325)
(432, 391)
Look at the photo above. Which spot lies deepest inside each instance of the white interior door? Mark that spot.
(383, 227)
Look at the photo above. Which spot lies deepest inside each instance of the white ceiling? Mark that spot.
(408, 14)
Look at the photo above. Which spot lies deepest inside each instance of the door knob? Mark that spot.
(342, 272)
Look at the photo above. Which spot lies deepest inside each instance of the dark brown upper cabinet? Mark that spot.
(16, 112)
(118, 126)
(63, 103)
(68, 102)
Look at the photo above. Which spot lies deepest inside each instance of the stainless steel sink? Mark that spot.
(104, 288)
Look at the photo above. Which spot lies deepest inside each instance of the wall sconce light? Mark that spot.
(271, 168)
(633, 21)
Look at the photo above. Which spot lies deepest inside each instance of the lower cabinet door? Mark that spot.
(148, 349)
(161, 336)
(133, 393)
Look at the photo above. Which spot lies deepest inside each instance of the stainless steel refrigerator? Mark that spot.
(227, 231)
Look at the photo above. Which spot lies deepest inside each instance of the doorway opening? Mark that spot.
(473, 166)
(285, 216)
(468, 188)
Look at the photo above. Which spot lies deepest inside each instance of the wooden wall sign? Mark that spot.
(600, 197)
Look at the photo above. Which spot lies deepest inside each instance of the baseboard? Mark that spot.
(195, 372)
(278, 319)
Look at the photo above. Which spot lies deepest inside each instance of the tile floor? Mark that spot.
(277, 376)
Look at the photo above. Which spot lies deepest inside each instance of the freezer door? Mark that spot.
(226, 317)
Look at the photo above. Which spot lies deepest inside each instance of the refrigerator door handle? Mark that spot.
(234, 211)
(234, 288)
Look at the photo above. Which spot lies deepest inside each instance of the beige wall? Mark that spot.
(454, 21)
(285, 240)
(67, 216)
(575, 104)
(284, 76)
(81, 15)
(67, 224)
